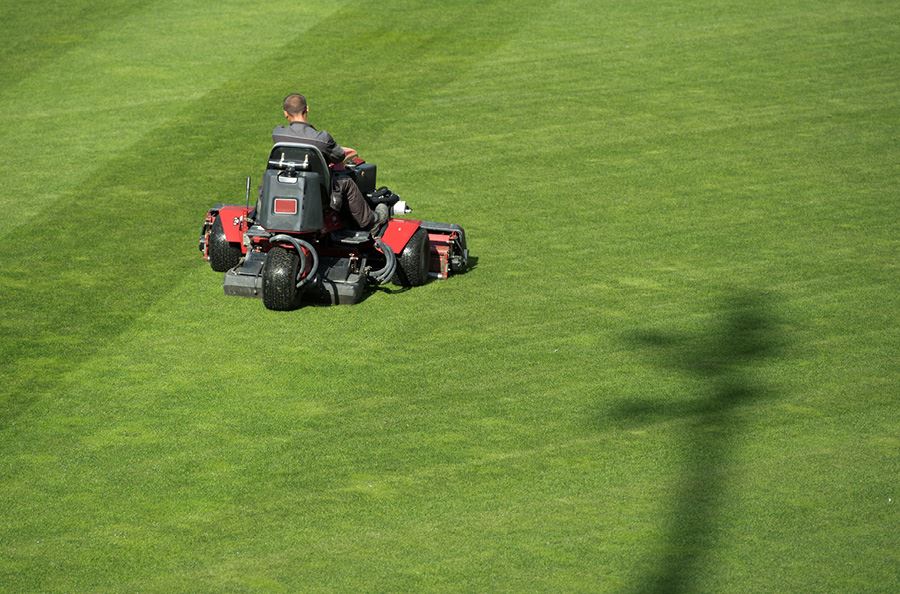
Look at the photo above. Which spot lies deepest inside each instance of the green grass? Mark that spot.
(674, 367)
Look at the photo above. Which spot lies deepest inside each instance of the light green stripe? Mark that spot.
(94, 103)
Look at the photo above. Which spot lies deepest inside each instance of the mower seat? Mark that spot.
(296, 187)
(306, 154)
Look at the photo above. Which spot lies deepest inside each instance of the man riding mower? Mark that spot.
(295, 245)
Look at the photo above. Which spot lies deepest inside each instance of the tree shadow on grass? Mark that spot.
(723, 360)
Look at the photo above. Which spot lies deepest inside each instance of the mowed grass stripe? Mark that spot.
(116, 225)
(35, 35)
(71, 116)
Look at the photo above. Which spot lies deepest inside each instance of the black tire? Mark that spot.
(223, 255)
(279, 279)
(412, 263)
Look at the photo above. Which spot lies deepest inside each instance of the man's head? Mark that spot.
(295, 107)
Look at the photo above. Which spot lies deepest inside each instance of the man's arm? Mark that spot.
(333, 152)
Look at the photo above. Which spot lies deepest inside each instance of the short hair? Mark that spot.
(295, 104)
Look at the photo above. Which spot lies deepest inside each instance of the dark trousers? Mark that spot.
(352, 200)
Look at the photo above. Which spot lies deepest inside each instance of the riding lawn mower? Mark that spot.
(295, 246)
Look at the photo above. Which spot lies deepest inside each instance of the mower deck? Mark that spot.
(336, 283)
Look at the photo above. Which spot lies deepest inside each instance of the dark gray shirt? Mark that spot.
(307, 133)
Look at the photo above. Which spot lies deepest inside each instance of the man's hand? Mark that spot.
(349, 153)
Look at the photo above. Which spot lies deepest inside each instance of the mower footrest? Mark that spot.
(338, 284)
(245, 279)
(351, 236)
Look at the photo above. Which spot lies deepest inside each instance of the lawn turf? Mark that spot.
(671, 369)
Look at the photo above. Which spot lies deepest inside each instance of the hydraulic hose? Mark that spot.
(299, 244)
(390, 267)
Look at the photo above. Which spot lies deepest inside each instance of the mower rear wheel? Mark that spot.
(223, 255)
(279, 279)
(412, 263)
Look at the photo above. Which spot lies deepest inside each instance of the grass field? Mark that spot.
(674, 368)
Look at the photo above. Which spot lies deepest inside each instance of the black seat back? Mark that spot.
(296, 186)
(307, 157)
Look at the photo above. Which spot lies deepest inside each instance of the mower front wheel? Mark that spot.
(412, 263)
(223, 254)
(279, 279)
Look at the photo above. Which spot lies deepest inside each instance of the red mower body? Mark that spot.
(234, 221)
(399, 232)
